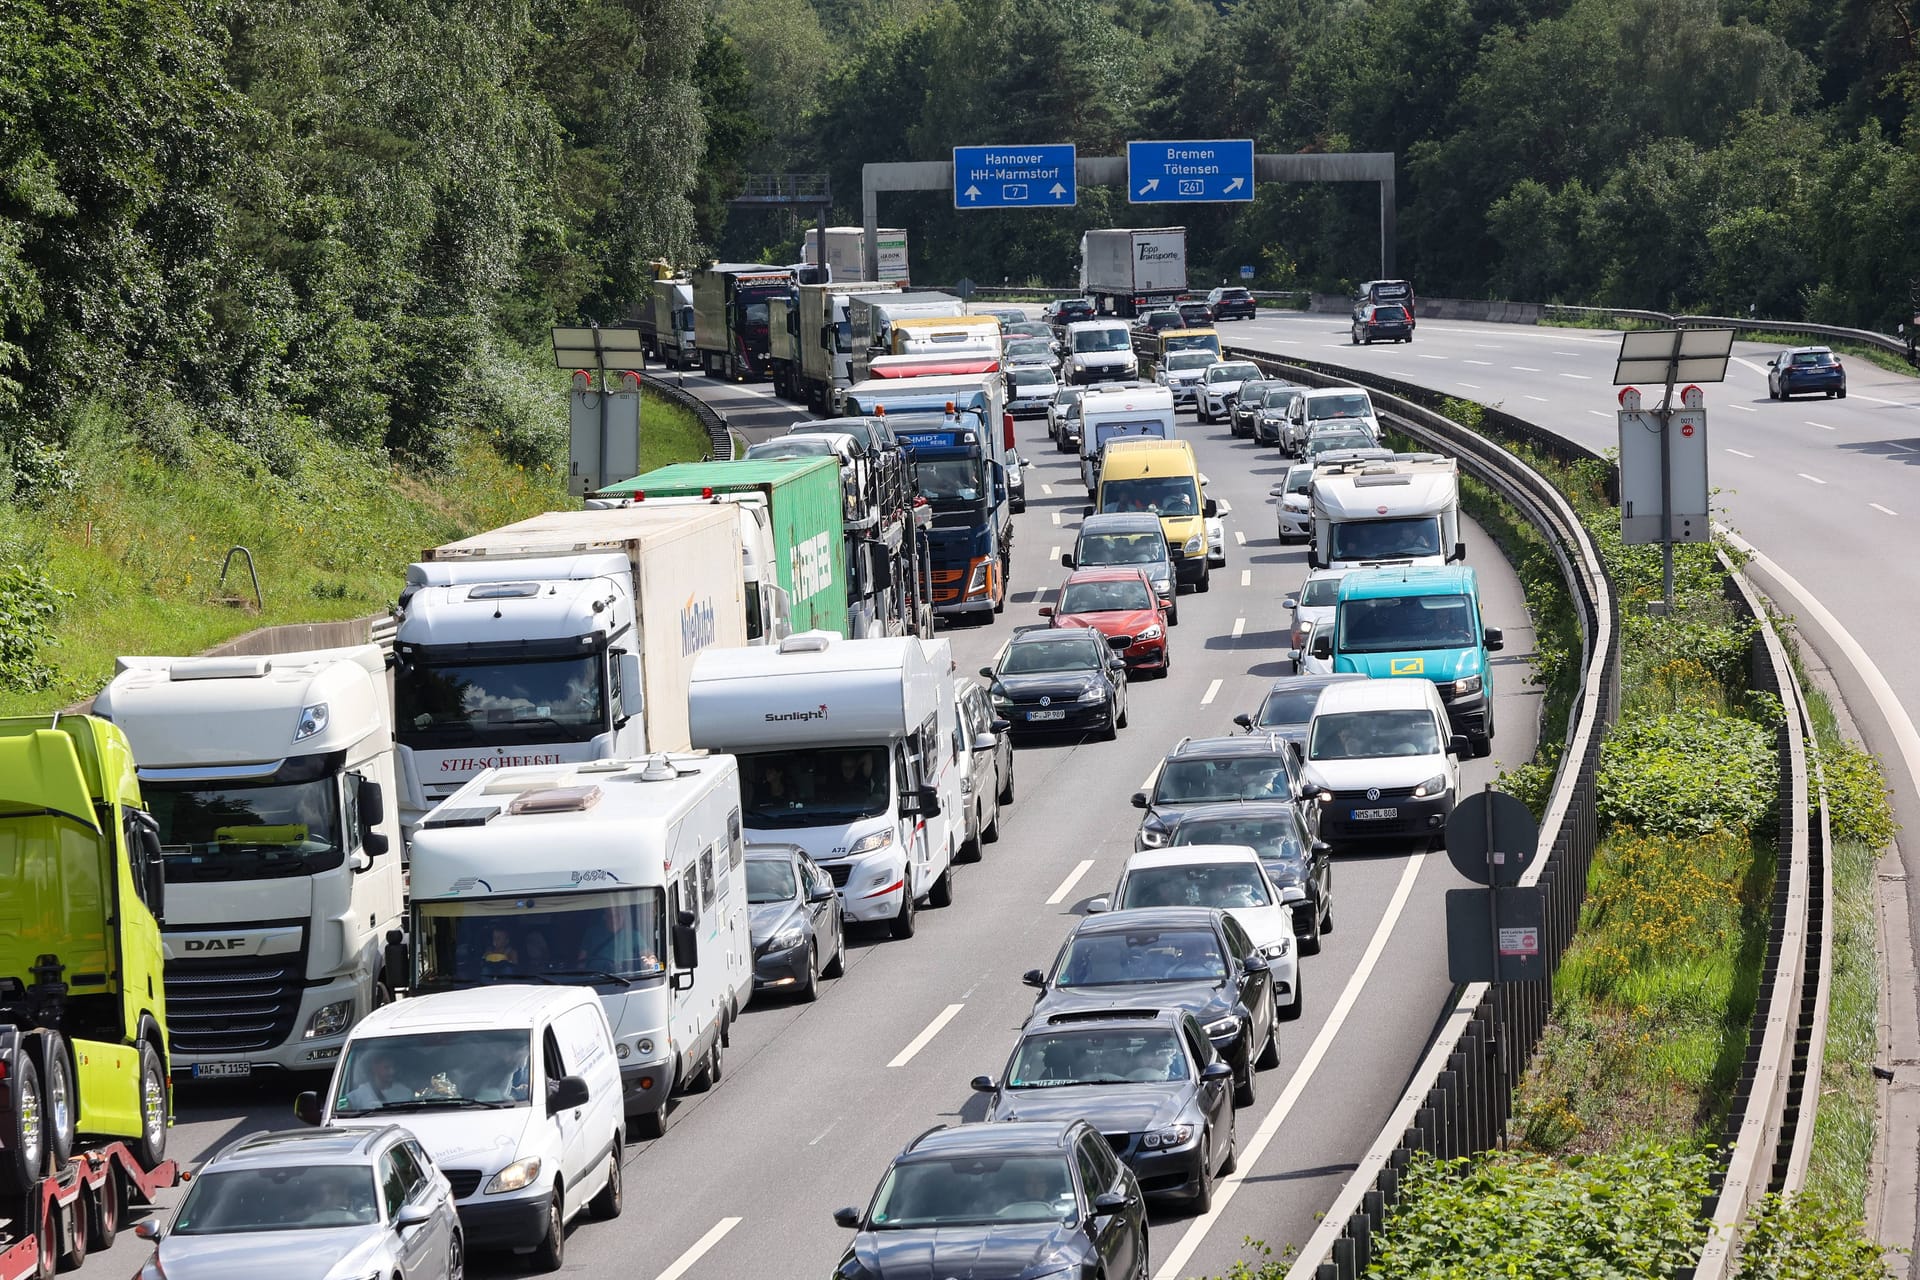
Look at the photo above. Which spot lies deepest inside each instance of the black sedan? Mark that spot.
(794, 916)
(1063, 679)
(1215, 770)
(1300, 866)
(1043, 1198)
(1231, 302)
(1148, 1079)
(1192, 958)
(1244, 417)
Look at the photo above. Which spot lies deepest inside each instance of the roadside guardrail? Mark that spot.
(712, 420)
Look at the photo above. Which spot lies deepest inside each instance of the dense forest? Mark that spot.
(360, 216)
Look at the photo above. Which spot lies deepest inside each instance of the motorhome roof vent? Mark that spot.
(806, 642)
(220, 669)
(555, 800)
(477, 816)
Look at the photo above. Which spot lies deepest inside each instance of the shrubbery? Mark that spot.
(28, 603)
(1689, 772)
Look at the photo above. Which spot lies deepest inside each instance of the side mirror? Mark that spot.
(983, 1084)
(987, 672)
(880, 574)
(1217, 1071)
(922, 802)
(985, 742)
(1034, 978)
(1046, 611)
(1323, 648)
(632, 690)
(1111, 1202)
(1066, 559)
(827, 894)
(373, 805)
(1139, 800)
(149, 1229)
(1321, 848)
(1256, 963)
(306, 1107)
(1496, 640)
(1457, 745)
(411, 1216)
(1773, 363)
(1245, 721)
(566, 1093)
(1299, 752)
(1210, 508)
(1098, 905)
(1291, 602)
(1459, 551)
(1087, 510)
(686, 942)
(999, 725)
(848, 1217)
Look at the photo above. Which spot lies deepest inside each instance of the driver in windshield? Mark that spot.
(610, 945)
(381, 1086)
(856, 776)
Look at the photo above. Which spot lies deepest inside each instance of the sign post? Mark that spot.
(1494, 934)
(1039, 176)
(604, 423)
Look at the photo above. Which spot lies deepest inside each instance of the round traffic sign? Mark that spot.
(1686, 429)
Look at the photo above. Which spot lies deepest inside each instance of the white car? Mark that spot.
(1228, 876)
(1217, 531)
(1340, 406)
(1064, 399)
(1220, 383)
(1180, 373)
(1313, 602)
(1030, 390)
(1382, 762)
(1301, 654)
(1295, 498)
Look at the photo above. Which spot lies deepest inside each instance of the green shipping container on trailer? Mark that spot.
(803, 499)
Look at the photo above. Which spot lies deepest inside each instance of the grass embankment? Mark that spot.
(123, 553)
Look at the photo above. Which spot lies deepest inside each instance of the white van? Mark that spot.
(514, 1092)
(1383, 762)
(1099, 351)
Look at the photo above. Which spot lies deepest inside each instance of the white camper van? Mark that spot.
(1130, 412)
(847, 748)
(625, 876)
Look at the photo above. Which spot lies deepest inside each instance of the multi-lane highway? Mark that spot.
(817, 1098)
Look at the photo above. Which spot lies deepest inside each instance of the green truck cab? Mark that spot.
(83, 1023)
(1424, 622)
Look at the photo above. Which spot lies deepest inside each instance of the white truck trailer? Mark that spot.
(622, 875)
(272, 780)
(812, 341)
(849, 749)
(1386, 511)
(1129, 271)
(666, 324)
(562, 638)
(846, 248)
(870, 320)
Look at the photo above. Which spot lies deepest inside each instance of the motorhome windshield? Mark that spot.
(1356, 405)
(1393, 624)
(1089, 341)
(616, 936)
(814, 787)
(441, 705)
(1400, 539)
(236, 830)
(1162, 495)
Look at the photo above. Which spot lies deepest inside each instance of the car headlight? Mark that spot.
(1277, 950)
(519, 1174)
(1171, 1136)
(1196, 544)
(871, 843)
(977, 580)
(1094, 694)
(330, 1020)
(1229, 1025)
(1153, 837)
(1431, 787)
(1151, 633)
(787, 939)
(1469, 684)
(313, 720)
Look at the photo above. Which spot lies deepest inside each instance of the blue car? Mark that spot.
(1802, 369)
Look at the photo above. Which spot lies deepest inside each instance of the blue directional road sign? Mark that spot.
(1190, 172)
(1015, 177)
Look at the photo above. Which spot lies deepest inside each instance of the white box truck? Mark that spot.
(846, 254)
(562, 638)
(1130, 271)
(272, 780)
(621, 875)
(666, 324)
(870, 320)
(1402, 510)
(849, 749)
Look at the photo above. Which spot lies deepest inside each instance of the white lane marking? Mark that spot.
(1047, 489)
(1904, 448)
(1206, 699)
(1804, 476)
(1823, 426)
(1485, 362)
(1568, 353)
(685, 1261)
(1251, 1153)
(1066, 886)
(1240, 624)
(1526, 368)
(1541, 399)
(1898, 404)
(1584, 377)
(824, 1132)
(919, 1042)
(1424, 356)
(1750, 366)
(1151, 778)
(1240, 537)
(1744, 408)
(1882, 510)
(1053, 555)
(1474, 385)
(1488, 346)
(1246, 577)
(1736, 453)
(1056, 517)
(1599, 413)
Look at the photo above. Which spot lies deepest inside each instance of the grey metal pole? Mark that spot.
(1388, 214)
(600, 366)
(1666, 479)
(870, 237)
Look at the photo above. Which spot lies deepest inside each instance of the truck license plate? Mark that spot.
(1047, 715)
(1363, 815)
(218, 1070)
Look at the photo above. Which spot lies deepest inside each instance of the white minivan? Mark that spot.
(515, 1093)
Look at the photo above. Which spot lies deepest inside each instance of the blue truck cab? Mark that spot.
(1419, 621)
(955, 428)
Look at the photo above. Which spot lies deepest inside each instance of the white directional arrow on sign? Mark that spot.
(1057, 190)
(1235, 185)
(1151, 186)
(971, 193)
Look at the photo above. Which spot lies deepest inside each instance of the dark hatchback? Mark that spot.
(1215, 770)
(1196, 315)
(1374, 322)
(793, 913)
(1300, 866)
(1806, 369)
(1042, 1198)
(1063, 680)
(1287, 709)
(1232, 303)
(1247, 405)
(1194, 958)
(1148, 1079)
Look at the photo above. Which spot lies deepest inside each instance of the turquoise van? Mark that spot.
(1418, 621)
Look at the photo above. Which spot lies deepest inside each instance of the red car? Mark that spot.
(1116, 601)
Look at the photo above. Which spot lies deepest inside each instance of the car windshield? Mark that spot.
(791, 447)
(430, 1070)
(1068, 395)
(287, 1198)
(1162, 495)
(1112, 958)
(1029, 347)
(1030, 377)
(1280, 397)
(1189, 359)
(1034, 656)
(1251, 777)
(1284, 708)
(1338, 440)
(441, 704)
(974, 1191)
(1275, 839)
(1028, 329)
(1232, 373)
(1396, 623)
(859, 428)
(1056, 1059)
(1093, 340)
(1163, 319)
(813, 787)
(1195, 884)
(770, 880)
(1369, 735)
(1319, 593)
(1121, 548)
(1354, 405)
(1105, 597)
(246, 831)
(537, 937)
